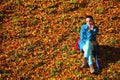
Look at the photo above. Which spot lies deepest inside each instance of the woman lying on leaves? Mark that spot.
(87, 41)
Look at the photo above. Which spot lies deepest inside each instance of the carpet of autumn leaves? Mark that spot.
(37, 39)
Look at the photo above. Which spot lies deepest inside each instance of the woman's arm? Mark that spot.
(91, 35)
(82, 33)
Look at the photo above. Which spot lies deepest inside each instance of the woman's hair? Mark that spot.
(88, 16)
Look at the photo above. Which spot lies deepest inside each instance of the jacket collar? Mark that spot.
(86, 26)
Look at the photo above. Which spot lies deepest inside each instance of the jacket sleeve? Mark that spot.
(82, 33)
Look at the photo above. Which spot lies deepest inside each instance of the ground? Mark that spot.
(37, 39)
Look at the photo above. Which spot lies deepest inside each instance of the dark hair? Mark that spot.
(88, 16)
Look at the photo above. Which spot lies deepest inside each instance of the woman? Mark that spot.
(88, 34)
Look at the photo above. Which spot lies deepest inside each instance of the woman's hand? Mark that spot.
(94, 43)
(91, 27)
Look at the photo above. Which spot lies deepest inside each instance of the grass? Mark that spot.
(54, 72)
(100, 9)
(112, 41)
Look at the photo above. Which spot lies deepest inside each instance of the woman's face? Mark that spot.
(89, 21)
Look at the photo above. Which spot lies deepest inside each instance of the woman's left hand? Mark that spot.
(94, 43)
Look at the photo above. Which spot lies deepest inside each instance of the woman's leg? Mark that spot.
(88, 48)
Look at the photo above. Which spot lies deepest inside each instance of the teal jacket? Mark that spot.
(87, 35)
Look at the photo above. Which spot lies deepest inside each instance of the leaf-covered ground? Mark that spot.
(37, 39)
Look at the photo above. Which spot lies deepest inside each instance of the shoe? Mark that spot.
(92, 70)
(84, 64)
